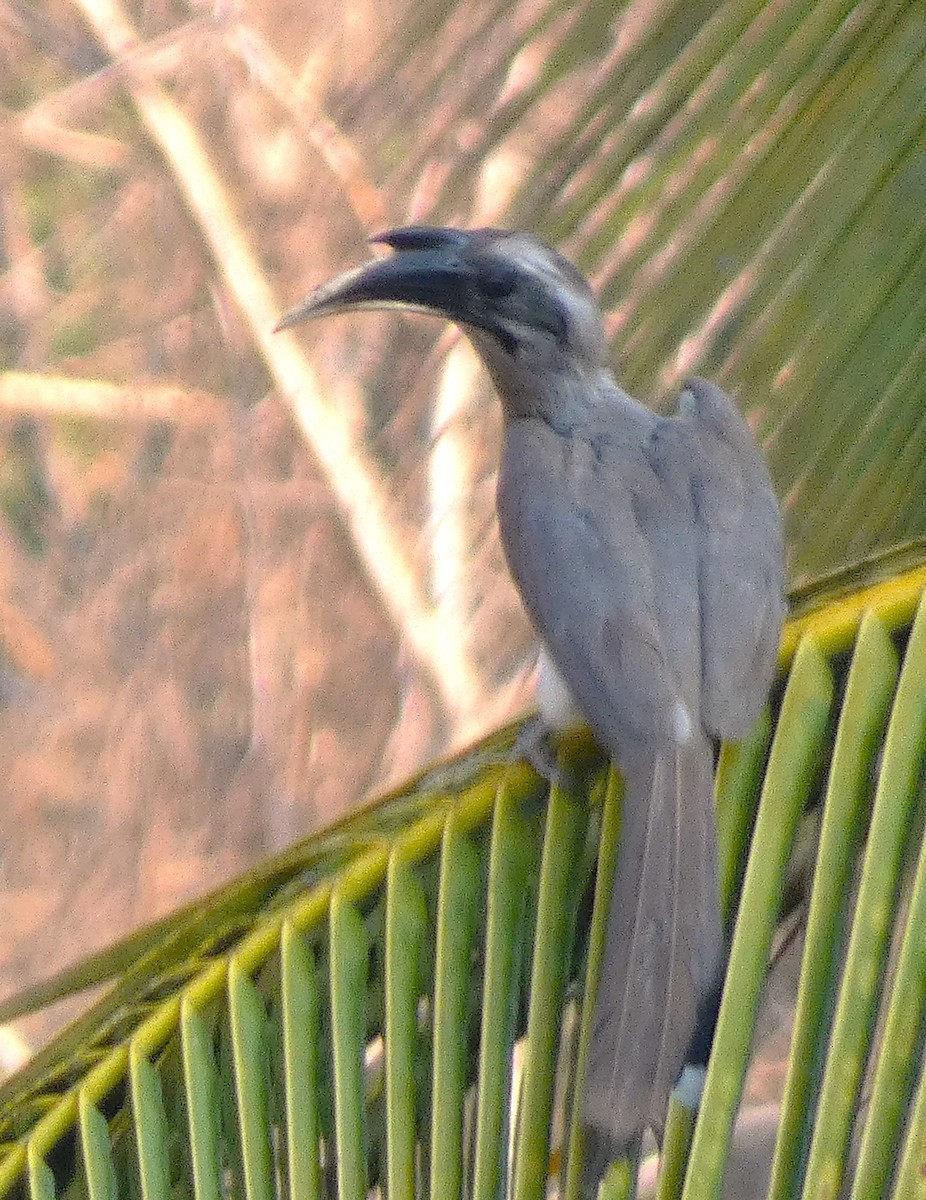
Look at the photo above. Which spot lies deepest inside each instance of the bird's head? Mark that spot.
(528, 311)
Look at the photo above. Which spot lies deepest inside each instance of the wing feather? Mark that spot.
(741, 562)
(584, 572)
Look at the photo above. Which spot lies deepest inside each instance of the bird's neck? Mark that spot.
(571, 401)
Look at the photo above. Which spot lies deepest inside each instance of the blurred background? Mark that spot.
(247, 580)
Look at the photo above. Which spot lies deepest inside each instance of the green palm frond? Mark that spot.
(394, 1002)
(744, 183)
(357, 1023)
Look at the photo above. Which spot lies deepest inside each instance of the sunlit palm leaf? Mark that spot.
(337, 1032)
(747, 185)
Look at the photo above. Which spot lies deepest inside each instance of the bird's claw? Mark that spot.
(534, 745)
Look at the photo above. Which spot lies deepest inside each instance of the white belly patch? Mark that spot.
(554, 699)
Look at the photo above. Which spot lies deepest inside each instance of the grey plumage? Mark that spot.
(648, 553)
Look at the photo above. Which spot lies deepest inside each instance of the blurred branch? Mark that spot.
(354, 478)
(22, 283)
(23, 644)
(452, 482)
(54, 395)
(338, 151)
(46, 124)
(39, 128)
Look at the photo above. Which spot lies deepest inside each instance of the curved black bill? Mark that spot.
(423, 237)
(427, 273)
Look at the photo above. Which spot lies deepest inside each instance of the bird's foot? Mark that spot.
(534, 745)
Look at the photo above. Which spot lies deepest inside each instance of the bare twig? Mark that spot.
(451, 476)
(48, 124)
(56, 395)
(25, 647)
(336, 149)
(353, 477)
(39, 129)
(24, 288)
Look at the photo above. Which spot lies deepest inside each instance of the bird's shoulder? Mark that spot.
(576, 492)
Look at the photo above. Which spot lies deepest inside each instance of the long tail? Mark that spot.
(663, 952)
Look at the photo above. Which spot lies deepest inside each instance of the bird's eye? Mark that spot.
(497, 283)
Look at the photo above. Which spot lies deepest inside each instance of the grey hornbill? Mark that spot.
(648, 553)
